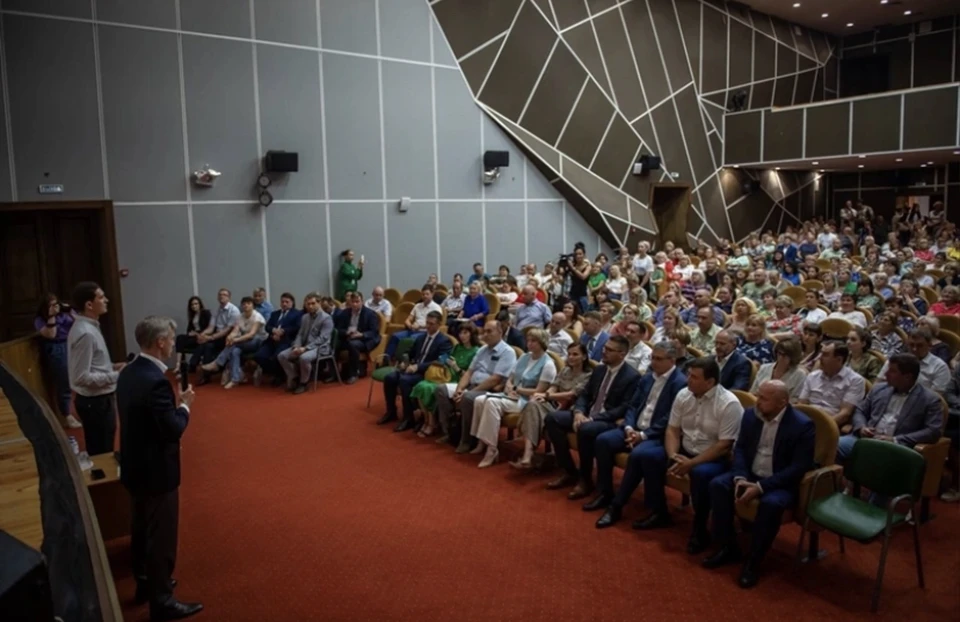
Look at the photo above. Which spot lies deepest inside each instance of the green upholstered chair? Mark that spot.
(885, 469)
(380, 373)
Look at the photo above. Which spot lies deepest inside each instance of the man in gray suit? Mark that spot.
(313, 340)
(901, 411)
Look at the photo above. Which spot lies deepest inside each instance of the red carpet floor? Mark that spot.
(301, 508)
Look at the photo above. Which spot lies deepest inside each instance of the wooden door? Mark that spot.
(22, 274)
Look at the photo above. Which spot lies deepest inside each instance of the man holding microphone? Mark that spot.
(152, 420)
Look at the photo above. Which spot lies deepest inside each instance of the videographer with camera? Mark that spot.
(53, 322)
(577, 268)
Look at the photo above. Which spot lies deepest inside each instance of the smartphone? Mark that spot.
(444, 358)
(184, 373)
(362, 260)
(97, 474)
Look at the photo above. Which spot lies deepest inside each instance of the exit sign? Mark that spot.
(50, 188)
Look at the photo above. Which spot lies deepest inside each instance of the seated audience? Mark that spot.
(506, 291)
(245, 338)
(593, 336)
(198, 319)
(784, 323)
(834, 388)
(487, 372)
(774, 450)
(703, 337)
(669, 301)
(329, 306)
(867, 299)
(680, 338)
(281, 329)
(754, 344)
(451, 368)
(513, 336)
(861, 360)
(785, 368)
(754, 289)
(702, 300)
(53, 323)
(934, 373)
(901, 410)
(479, 276)
(628, 313)
(848, 311)
(670, 322)
(910, 297)
(735, 368)
(937, 347)
(452, 303)
(607, 312)
(640, 433)
(616, 284)
(534, 372)
(885, 337)
(564, 391)
(428, 347)
(313, 340)
(378, 303)
(531, 312)
(260, 303)
(560, 339)
(743, 308)
(213, 338)
(571, 310)
(416, 323)
(639, 355)
(949, 303)
(597, 410)
(358, 331)
(475, 306)
(812, 341)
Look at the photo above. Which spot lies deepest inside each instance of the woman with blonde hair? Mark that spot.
(755, 345)
(785, 367)
(616, 284)
(629, 313)
(784, 323)
(743, 308)
(671, 319)
(533, 373)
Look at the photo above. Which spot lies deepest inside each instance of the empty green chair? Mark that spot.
(888, 470)
(380, 373)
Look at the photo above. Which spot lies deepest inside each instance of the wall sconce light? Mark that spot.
(205, 177)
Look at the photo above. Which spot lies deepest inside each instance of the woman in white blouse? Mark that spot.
(245, 338)
(616, 284)
(785, 367)
(534, 373)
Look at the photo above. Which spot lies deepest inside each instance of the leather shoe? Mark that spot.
(609, 518)
(403, 426)
(599, 503)
(563, 481)
(748, 575)
(387, 418)
(698, 543)
(728, 554)
(143, 590)
(174, 610)
(582, 490)
(654, 521)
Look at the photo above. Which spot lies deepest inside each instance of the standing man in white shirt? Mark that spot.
(92, 376)
(704, 424)
(378, 303)
(773, 452)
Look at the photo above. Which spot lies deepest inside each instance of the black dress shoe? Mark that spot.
(599, 503)
(174, 610)
(387, 418)
(654, 521)
(300, 388)
(143, 590)
(403, 426)
(698, 543)
(609, 518)
(748, 575)
(729, 554)
(563, 481)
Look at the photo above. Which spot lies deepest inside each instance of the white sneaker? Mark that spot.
(257, 376)
(951, 496)
(72, 423)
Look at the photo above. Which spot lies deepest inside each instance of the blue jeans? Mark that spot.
(55, 357)
(231, 357)
(395, 340)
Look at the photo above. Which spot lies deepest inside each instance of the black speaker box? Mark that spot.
(24, 584)
(496, 159)
(650, 162)
(281, 162)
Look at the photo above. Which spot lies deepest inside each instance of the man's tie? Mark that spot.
(282, 313)
(426, 348)
(602, 395)
(590, 345)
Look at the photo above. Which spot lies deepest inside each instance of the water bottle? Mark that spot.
(74, 445)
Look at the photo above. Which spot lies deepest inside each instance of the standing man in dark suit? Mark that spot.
(774, 450)
(281, 328)
(428, 347)
(151, 424)
(596, 411)
(358, 330)
(735, 368)
(642, 431)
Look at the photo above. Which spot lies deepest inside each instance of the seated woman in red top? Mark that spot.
(949, 303)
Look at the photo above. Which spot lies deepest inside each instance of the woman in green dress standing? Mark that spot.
(455, 364)
(348, 275)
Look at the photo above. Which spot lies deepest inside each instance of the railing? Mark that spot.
(80, 579)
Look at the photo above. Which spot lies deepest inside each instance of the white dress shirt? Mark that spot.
(934, 373)
(714, 416)
(647, 414)
(888, 422)
(763, 460)
(831, 393)
(857, 318)
(559, 342)
(639, 357)
(383, 307)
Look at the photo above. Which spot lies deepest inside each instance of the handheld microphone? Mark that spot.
(184, 373)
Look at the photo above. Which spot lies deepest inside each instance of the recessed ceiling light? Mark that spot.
(923, 166)
(930, 162)
(899, 159)
(907, 12)
(883, 1)
(824, 15)
(821, 170)
(814, 163)
(862, 157)
(778, 168)
(859, 165)
(796, 5)
(956, 153)
(849, 24)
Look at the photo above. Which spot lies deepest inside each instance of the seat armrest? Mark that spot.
(825, 487)
(935, 455)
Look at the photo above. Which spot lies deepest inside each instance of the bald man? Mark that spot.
(774, 450)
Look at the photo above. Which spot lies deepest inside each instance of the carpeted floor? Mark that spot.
(301, 508)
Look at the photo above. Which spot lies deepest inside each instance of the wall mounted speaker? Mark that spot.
(646, 163)
(496, 159)
(281, 162)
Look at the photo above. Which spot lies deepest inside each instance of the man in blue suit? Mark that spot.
(151, 424)
(735, 368)
(596, 411)
(641, 431)
(774, 450)
(593, 336)
(281, 328)
(358, 330)
(427, 348)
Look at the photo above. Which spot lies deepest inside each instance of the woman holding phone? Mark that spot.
(53, 322)
(348, 275)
